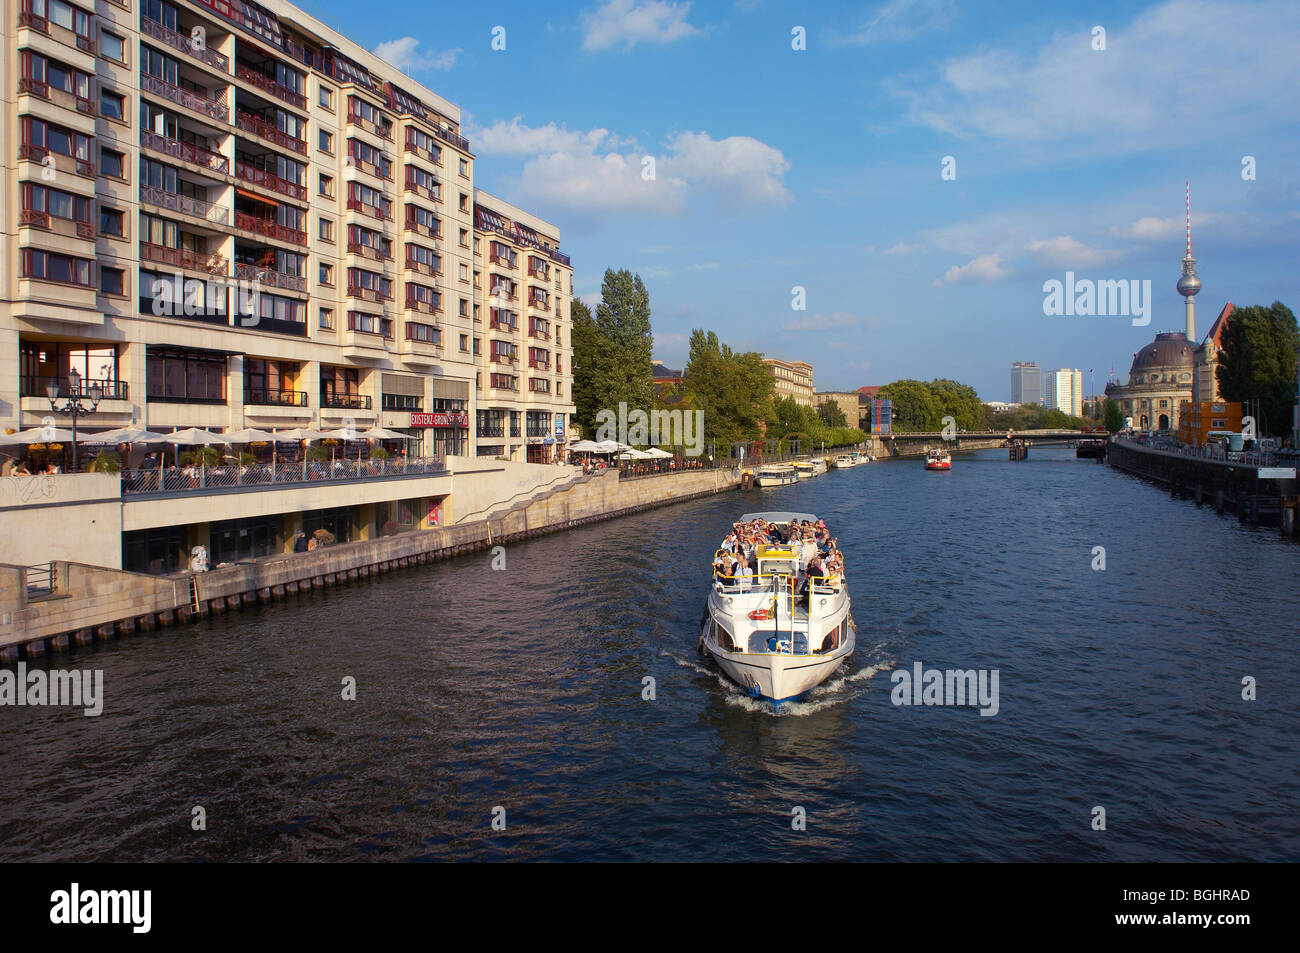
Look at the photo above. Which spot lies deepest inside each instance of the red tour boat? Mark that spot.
(938, 460)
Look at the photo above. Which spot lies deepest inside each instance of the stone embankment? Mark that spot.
(83, 604)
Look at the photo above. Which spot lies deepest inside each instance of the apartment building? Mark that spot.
(522, 289)
(224, 214)
(793, 379)
(1026, 383)
(1063, 390)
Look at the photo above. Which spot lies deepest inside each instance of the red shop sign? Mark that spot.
(440, 420)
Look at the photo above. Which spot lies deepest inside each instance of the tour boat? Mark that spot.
(808, 469)
(776, 474)
(938, 459)
(845, 460)
(763, 633)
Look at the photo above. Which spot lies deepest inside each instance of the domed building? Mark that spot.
(1159, 381)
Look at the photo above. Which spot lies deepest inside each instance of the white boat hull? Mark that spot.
(771, 479)
(780, 677)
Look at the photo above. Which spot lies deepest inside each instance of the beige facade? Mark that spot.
(849, 402)
(522, 290)
(793, 379)
(228, 215)
(1159, 383)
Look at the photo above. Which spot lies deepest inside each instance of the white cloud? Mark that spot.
(1146, 89)
(1066, 251)
(898, 20)
(514, 138)
(827, 322)
(740, 171)
(629, 22)
(705, 266)
(596, 172)
(405, 54)
(1150, 228)
(903, 248)
(983, 268)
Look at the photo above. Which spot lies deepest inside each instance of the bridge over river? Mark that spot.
(916, 444)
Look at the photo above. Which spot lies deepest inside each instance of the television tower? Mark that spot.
(1189, 284)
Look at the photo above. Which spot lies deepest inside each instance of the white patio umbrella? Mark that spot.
(193, 437)
(379, 433)
(130, 434)
(611, 446)
(585, 446)
(631, 453)
(48, 434)
(248, 435)
(300, 433)
(658, 454)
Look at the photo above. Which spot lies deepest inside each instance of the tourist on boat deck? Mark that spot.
(744, 575)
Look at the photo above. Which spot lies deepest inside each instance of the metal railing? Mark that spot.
(269, 276)
(212, 108)
(269, 85)
(35, 387)
(260, 127)
(186, 152)
(269, 180)
(183, 43)
(270, 228)
(638, 469)
(184, 204)
(272, 396)
(347, 401)
(170, 479)
(40, 580)
(213, 263)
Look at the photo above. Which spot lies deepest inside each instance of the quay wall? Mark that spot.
(72, 516)
(88, 603)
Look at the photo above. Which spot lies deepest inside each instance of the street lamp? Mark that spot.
(75, 405)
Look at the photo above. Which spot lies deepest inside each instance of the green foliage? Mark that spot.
(1259, 364)
(916, 408)
(379, 453)
(201, 456)
(1114, 417)
(792, 419)
(1034, 417)
(832, 414)
(105, 462)
(733, 390)
(611, 350)
(318, 454)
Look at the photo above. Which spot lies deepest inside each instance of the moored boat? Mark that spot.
(779, 625)
(808, 469)
(776, 474)
(845, 460)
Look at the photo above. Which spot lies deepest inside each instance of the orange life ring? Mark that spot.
(758, 614)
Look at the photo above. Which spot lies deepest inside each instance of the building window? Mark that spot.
(464, 238)
(327, 319)
(327, 230)
(464, 200)
(327, 142)
(111, 105)
(185, 376)
(112, 222)
(49, 266)
(464, 272)
(112, 46)
(326, 185)
(325, 96)
(112, 281)
(327, 274)
(464, 168)
(464, 307)
(112, 164)
(464, 342)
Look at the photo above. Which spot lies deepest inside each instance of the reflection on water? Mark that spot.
(522, 689)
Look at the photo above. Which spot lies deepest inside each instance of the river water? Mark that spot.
(521, 689)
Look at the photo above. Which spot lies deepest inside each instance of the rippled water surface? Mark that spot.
(522, 689)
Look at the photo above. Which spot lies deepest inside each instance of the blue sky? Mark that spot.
(821, 168)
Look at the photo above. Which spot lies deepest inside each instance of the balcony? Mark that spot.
(269, 228)
(35, 387)
(185, 205)
(34, 87)
(346, 401)
(554, 255)
(268, 276)
(181, 42)
(539, 364)
(446, 135)
(267, 85)
(538, 386)
(383, 132)
(540, 334)
(273, 397)
(187, 311)
(269, 180)
(258, 476)
(367, 294)
(260, 127)
(423, 333)
(503, 260)
(212, 108)
(368, 251)
(213, 264)
(370, 324)
(184, 151)
(287, 326)
(414, 302)
(356, 205)
(38, 154)
(539, 304)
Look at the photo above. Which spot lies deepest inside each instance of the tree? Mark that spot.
(733, 390)
(832, 414)
(623, 318)
(915, 408)
(1258, 364)
(1114, 416)
(593, 367)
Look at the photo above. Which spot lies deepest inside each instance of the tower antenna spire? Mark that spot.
(1189, 219)
(1189, 284)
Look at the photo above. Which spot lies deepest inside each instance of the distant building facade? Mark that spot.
(1026, 383)
(1205, 367)
(849, 401)
(793, 379)
(1063, 391)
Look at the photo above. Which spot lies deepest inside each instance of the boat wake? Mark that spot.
(836, 690)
